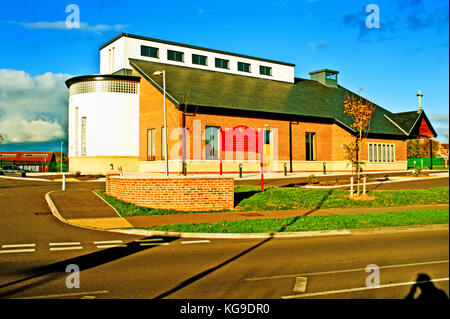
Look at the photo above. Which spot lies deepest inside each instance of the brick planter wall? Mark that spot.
(179, 193)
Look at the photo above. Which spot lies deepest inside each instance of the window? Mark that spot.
(311, 146)
(163, 143)
(381, 152)
(330, 76)
(265, 70)
(149, 51)
(392, 153)
(221, 63)
(244, 67)
(212, 142)
(199, 59)
(151, 144)
(175, 55)
(83, 136)
(267, 137)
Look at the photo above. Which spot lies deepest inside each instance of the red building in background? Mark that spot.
(28, 161)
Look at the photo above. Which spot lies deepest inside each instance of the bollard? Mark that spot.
(285, 169)
(351, 186)
(414, 164)
(64, 182)
(324, 168)
(364, 185)
(240, 170)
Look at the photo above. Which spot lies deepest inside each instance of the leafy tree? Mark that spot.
(360, 110)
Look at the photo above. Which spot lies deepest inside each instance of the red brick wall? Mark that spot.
(184, 194)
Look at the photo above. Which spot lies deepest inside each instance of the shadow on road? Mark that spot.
(205, 273)
(428, 291)
(54, 271)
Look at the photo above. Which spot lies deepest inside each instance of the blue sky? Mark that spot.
(408, 52)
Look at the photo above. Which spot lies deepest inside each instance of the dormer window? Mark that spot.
(244, 67)
(331, 76)
(175, 56)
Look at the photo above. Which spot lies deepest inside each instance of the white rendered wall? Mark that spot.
(112, 124)
(126, 47)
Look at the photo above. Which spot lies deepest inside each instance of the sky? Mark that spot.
(406, 51)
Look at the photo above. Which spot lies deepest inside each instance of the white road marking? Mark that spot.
(18, 245)
(153, 244)
(110, 246)
(11, 251)
(322, 293)
(347, 270)
(65, 248)
(108, 242)
(300, 284)
(67, 295)
(195, 241)
(65, 244)
(147, 240)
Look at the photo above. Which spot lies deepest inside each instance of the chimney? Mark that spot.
(419, 95)
(325, 76)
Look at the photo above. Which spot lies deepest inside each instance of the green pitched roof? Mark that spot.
(217, 89)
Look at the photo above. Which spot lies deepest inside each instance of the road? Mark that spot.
(286, 268)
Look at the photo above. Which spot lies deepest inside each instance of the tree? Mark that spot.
(421, 148)
(360, 110)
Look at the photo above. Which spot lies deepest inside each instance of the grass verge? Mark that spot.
(251, 198)
(315, 223)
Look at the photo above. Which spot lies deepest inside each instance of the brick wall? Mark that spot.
(184, 194)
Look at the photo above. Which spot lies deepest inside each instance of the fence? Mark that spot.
(425, 162)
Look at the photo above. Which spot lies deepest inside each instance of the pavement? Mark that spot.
(85, 208)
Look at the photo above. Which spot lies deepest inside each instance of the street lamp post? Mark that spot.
(166, 157)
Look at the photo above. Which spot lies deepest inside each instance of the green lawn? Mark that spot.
(251, 198)
(314, 223)
(277, 198)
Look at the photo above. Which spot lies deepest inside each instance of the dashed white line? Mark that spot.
(65, 248)
(18, 245)
(154, 244)
(147, 240)
(65, 244)
(11, 251)
(195, 241)
(108, 242)
(110, 246)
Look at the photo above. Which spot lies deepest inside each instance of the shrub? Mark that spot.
(311, 179)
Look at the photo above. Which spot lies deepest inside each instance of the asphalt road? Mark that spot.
(309, 267)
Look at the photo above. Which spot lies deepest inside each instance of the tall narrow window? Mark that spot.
(83, 136)
(151, 144)
(384, 153)
(379, 152)
(370, 152)
(267, 137)
(388, 153)
(311, 146)
(175, 56)
(212, 142)
(163, 143)
(392, 153)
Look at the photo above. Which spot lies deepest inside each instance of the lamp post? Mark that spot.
(166, 157)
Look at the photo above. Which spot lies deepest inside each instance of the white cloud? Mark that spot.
(61, 25)
(318, 46)
(32, 109)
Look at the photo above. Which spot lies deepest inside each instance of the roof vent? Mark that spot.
(325, 76)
